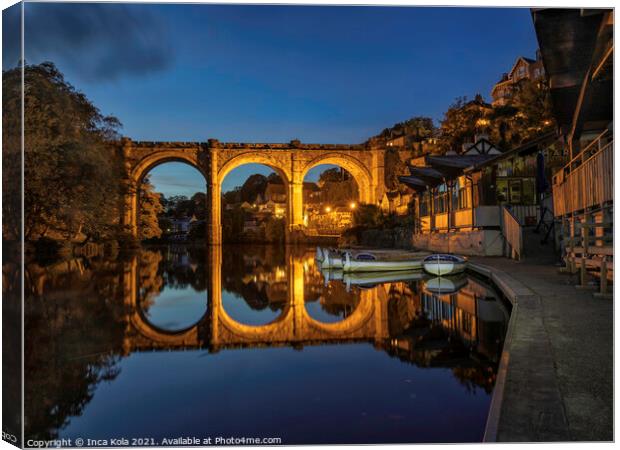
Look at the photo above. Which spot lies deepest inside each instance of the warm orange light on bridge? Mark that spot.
(328, 209)
(353, 205)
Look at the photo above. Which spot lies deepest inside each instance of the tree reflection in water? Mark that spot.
(74, 329)
(77, 326)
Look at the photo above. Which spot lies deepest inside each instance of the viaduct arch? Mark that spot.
(292, 161)
(217, 330)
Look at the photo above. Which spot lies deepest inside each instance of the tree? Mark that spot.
(232, 197)
(274, 178)
(462, 121)
(253, 186)
(368, 216)
(334, 174)
(339, 192)
(199, 205)
(150, 209)
(527, 115)
(178, 206)
(232, 224)
(71, 163)
(393, 167)
(414, 129)
(275, 229)
(534, 116)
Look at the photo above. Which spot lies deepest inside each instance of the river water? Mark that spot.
(255, 342)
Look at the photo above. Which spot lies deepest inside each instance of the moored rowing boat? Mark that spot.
(368, 279)
(319, 255)
(368, 262)
(446, 284)
(444, 264)
(331, 260)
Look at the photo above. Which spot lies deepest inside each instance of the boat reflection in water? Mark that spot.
(256, 341)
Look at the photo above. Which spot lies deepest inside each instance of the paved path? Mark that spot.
(559, 383)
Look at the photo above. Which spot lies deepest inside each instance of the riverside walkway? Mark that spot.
(558, 383)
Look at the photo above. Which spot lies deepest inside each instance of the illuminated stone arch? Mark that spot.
(354, 166)
(144, 333)
(255, 158)
(158, 337)
(278, 330)
(148, 163)
(215, 160)
(359, 319)
(218, 330)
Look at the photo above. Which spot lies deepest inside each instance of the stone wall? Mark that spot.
(398, 237)
(470, 243)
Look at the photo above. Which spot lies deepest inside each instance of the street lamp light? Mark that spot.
(328, 209)
(352, 205)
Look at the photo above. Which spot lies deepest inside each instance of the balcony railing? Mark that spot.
(587, 180)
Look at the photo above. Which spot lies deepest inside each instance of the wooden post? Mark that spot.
(583, 272)
(585, 234)
(571, 244)
(604, 275)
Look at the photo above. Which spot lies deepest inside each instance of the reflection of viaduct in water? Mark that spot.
(218, 330)
(215, 160)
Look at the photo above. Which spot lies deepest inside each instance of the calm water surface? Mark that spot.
(256, 342)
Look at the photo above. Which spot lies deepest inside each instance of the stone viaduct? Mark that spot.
(214, 159)
(217, 330)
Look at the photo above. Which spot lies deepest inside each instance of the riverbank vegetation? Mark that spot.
(73, 171)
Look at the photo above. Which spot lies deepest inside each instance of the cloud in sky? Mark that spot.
(94, 41)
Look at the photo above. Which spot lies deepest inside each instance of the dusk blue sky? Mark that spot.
(273, 73)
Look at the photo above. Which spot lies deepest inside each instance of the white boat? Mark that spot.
(370, 279)
(444, 264)
(369, 262)
(331, 275)
(319, 255)
(446, 284)
(331, 260)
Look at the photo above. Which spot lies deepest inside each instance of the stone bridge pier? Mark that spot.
(215, 160)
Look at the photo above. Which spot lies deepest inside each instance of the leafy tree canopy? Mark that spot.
(416, 129)
(150, 210)
(73, 168)
(527, 115)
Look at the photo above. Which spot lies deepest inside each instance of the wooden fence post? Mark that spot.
(571, 243)
(583, 272)
(604, 276)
